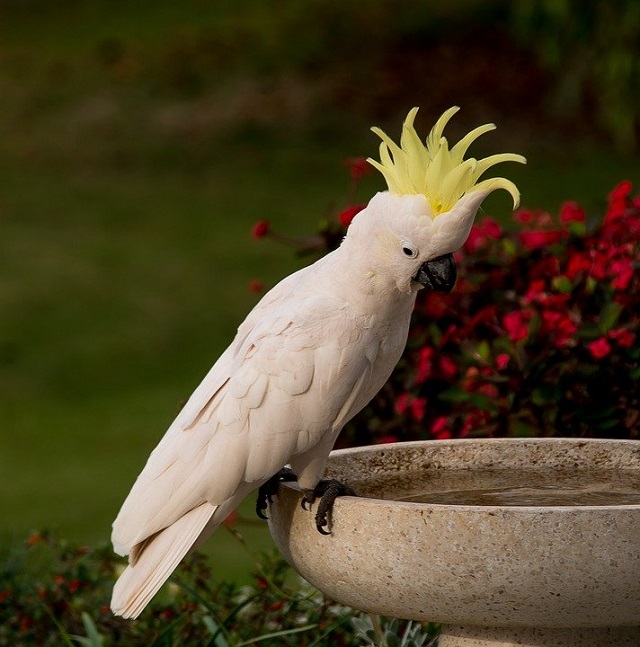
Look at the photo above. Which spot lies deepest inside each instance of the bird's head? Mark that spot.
(433, 195)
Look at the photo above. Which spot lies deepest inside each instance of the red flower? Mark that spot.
(516, 324)
(256, 286)
(440, 428)
(564, 332)
(572, 212)
(536, 291)
(537, 239)
(622, 337)
(34, 539)
(618, 201)
(358, 167)
(483, 316)
(488, 389)
(418, 408)
(25, 624)
(414, 406)
(545, 268)
(74, 585)
(524, 216)
(599, 348)
(558, 326)
(599, 263)
(402, 402)
(448, 368)
(621, 191)
(622, 271)
(474, 420)
(389, 438)
(345, 217)
(425, 364)
(260, 229)
(480, 233)
(577, 264)
(230, 519)
(450, 334)
(436, 305)
(502, 361)
(470, 382)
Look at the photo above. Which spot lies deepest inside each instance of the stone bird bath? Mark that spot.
(545, 553)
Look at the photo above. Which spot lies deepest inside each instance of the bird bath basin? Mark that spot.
(530, 542)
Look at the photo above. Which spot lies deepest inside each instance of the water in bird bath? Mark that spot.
(520, 487)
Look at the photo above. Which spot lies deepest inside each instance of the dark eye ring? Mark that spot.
(409, 252)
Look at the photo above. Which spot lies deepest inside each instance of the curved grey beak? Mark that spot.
(438, 274)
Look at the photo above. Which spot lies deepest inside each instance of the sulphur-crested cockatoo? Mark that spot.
(310, 355)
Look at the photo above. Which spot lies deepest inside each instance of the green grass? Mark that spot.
(119, 291)
(125, 248)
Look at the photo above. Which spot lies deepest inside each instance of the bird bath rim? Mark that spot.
(402, 446)
(524, 568)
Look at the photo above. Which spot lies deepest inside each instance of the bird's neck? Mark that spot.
(354, 278)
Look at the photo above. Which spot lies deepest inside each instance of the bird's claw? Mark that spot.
(269, 489)
(327, 490)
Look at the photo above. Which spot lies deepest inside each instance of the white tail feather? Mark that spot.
(154, 564)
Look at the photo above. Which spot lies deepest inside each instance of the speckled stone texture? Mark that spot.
(536, 637)
(520, 570)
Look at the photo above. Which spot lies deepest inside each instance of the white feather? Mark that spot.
(141, 580)
(309, 356)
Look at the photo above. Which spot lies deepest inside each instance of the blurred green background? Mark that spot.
(140, 141)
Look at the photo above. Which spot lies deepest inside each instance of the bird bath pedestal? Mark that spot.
(522, 569)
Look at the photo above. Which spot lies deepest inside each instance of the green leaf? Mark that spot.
(276, 634)
(454, 394)
(391, 639)
(483, 402)
(484, 350)
(165, 639)
(361, 625)
(216, 639)
(577, 228)
(543, 395)
(509, 247)
(562, 284)
(215, 630)
(320, 640)
(609, 315)
(92, 632)
(522, 429)
(589, 331)
(609, 424)
(587, 370)
(63, 632)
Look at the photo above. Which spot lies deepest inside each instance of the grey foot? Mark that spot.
(327, 490)
(269, 489)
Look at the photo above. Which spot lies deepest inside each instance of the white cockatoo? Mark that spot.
(310, 355)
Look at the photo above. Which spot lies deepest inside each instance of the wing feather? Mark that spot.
(284, 383)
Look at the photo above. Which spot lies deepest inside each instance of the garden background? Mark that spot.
(139, 143)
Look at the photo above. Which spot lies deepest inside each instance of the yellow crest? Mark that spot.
(431, 169)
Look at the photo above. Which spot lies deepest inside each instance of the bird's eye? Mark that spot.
(409, 251)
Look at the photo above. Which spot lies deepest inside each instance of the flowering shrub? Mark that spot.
(538, 338)
(53, 593)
